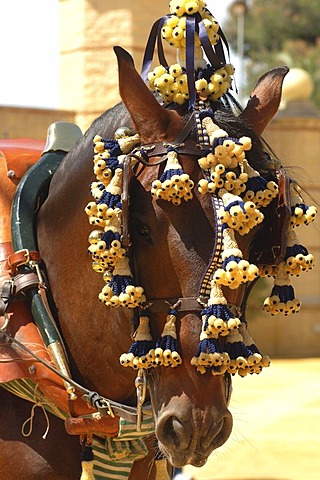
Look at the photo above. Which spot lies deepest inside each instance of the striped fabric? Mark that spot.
(28, 390)
(113, 457)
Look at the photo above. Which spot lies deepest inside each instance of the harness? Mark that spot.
(225, 346)
(29, 278)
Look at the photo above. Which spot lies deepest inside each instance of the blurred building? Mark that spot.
(89, 29)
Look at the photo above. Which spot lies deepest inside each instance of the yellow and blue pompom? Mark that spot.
(141, 352)
(226, 150)
(234, 270)
(282, 298)
(115, 148)
(258, 190)
(245, 358)
(230, 151)
(166, 349)
(173, 185)
(186, 7)
(111, 195)
(107, 254)
(256, 361)
(302, 214)
(104, 168)
(120, 289)
(217, 318)
(237, 351)
(210, 355)
(112, 146)
(237, 214)
(220, 178)
(297, 260)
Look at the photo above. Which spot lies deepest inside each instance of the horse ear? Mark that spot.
(148, 116)
(264, 100)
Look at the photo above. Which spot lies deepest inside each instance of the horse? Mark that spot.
(170, 250)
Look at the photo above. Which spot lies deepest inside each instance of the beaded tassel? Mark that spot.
(210, 355)
(217, 317)
(258, 189)
(141, 353)
(297, 258)
(120, 289)
(237, 352)
(220, 178)
(166, 350)
(256, 361)
(171, 82)
(238, 215)
(282, 299)
(244, 356)
(173, 185)
(235, 270)
(86, 460)
(300, 212)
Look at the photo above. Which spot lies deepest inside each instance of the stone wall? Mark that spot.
(16, 122)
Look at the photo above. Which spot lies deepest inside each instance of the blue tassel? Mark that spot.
(113, 146)
(109, 236)
(210, 355)
(107, 198)
(141, 353)
(166, 350)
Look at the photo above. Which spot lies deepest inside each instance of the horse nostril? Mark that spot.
(211, 436)
(172, 431)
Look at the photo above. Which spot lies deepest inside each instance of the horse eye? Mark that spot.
(144, 232)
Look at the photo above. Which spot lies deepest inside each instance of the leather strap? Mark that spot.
(22, 257)
(182, 143)
(125, 201)
(269, 245)
(5, 295)
(183, 304)
(22, 281)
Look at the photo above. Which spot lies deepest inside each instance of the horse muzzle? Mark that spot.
(190, 437)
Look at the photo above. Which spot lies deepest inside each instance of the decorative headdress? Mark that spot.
(239, 194)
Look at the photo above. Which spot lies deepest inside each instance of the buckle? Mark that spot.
(21, 257)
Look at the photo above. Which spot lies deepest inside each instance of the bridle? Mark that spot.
(143, 155)
(184, 145)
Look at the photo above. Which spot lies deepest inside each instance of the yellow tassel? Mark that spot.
(87, 471)
(238, 215)
(174, 185)
(166, 353)
(161, 469)
(235, 270)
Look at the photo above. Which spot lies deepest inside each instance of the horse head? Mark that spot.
(171, 249)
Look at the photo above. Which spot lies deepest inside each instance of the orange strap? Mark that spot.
(21, 257)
